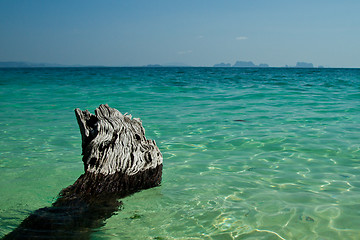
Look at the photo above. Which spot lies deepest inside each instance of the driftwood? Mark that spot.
(118, 161)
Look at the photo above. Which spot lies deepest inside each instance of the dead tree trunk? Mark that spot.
(118, 161)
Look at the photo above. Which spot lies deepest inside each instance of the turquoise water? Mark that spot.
(290, 170)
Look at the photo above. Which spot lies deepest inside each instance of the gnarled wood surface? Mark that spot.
(118, 161)
(113, 142)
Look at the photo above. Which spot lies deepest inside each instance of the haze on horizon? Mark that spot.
(197, 33)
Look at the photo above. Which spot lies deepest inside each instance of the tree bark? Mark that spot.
(118, 161)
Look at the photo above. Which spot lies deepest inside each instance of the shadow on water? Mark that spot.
(67, 219)
(84, 206)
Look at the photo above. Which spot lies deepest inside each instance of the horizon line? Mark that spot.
(24, 64)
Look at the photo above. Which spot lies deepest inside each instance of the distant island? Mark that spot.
(242, 64)
(32, 65)
(237, 64)
(174, 64)
(222, 65)
(304, 65)
(250, 64)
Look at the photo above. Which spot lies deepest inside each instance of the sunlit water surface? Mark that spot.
(290, 169)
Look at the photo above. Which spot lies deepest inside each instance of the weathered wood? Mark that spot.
(118, 161)
(117, 157)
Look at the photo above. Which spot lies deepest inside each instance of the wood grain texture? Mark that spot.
(113, 142)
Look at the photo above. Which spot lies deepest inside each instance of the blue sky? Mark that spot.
(198, 33)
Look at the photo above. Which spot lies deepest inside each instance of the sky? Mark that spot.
(191, 32)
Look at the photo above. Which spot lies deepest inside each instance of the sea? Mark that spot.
(249, 153)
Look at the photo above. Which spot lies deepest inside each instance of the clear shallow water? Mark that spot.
(290, 170)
